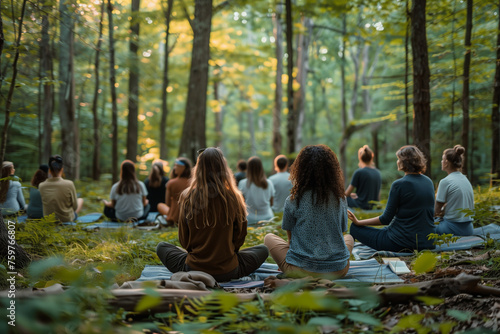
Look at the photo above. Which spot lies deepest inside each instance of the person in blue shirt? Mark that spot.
(315, 218)
(366, 180)
(409, 213)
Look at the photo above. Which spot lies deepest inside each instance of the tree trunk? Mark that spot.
(343, 162)
(453, 93)
(164, 93)
(302, 70)
(112, 85)
(193, 130)
(218, 113)
(46, 73)
(465, 88)
(407, 71)
(291, 119)
(133, 84)
(495, 117)
(20, 258)
(96, 170)
(421, 78)
(3, 145)
(278, 93)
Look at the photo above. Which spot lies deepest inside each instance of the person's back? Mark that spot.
(366, 180)
(156, 195)
(35, 207)
(15, 199)
(59, 197)
(410, 214)
(258, 200)
(456, 191)
(129, 205)
(282, 184)
(174, 188)
(241, 174)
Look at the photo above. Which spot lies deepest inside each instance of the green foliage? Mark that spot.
(425, 262)
(441, 239)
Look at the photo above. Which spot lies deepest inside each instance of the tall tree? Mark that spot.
(302, 70)
(133, 83)
(67, 111)
(3, 145)
(407, 72)
(278, 93)
(421, 78)
(114, 106)
(291, 119)
(495, 117)
(218, 111)
(96, 170)
(165, 80)
(47, 77)
(465, 87)
(193, 130)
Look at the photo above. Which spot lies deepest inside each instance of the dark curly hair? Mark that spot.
(455, 156)
(38, 178)
(411, 159)
(317, 169)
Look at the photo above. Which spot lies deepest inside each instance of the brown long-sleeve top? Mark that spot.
(174, 189)
(212, 249)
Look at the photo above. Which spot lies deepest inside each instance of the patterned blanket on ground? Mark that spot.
(368, 271)
(362, 252)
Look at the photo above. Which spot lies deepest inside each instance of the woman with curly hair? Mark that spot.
(179, 180)
(128, 196)
(409, 211)
(35, 207)
(366, 180)
(454, 194)
(314, 217)
(212, 225)
(11, 193)
(258, 192)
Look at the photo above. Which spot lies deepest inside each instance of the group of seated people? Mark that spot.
(49, 193)
(212, 210)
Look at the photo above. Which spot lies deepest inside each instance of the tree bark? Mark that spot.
(407, 71)
(421, 78)
(495, 117)
(114, 106)
(96, 170)
(278, 93)
(343, 94)
(465, 88)
(193, 130)
(133, 83)
(46, 74)
(219, 112)
(164, 93)
(291, 119)
(302, 70)
(21, 259)
(8, 104)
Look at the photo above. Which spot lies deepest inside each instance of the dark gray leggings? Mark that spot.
(249, 260)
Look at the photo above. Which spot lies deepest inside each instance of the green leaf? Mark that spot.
(411, 321)
(446, 327)
(147, 302)
(425, 262)
(323, 321)
(460, 315)
(430, 300)
(37, 269)
(364, 318)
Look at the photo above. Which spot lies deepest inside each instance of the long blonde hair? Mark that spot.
(212, 180)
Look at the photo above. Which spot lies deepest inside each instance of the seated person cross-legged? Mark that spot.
(314, 217)
(409, 211)
(212, 225)
(454, 194)
(128, 196)
(11, 194)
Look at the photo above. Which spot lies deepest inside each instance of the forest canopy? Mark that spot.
(101, 81)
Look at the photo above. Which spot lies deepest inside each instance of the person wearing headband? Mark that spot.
(58, 194)
(179, 180)
(11, 194)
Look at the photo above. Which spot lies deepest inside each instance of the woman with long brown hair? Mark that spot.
(212, 225)
(258, 192)
(128, 196)
(156, 185)
(314, 217)
(11, 194)
(35, 207)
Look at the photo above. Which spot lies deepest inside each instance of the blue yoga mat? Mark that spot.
(361, 251)
(367, 271)
(110, 224)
